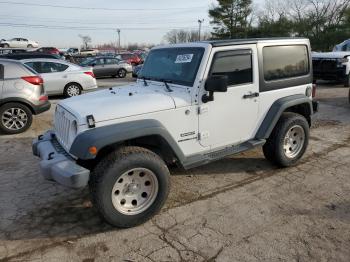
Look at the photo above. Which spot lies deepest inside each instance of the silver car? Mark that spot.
(108, 66)
(21, 95)
(62, 77)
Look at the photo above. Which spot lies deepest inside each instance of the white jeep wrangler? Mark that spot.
(192, 104)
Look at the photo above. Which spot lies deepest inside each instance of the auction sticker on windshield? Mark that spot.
(186, 58)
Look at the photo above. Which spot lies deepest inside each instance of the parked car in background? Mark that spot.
(88, 52)
(136, 70)
(29, 55)
(333, 65)
(49, 50)
(72, 51)
(108, 66)
(131, 58)
(22, 95)
(61, 77)
(18, 43)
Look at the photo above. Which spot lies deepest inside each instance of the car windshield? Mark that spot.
(175, 65)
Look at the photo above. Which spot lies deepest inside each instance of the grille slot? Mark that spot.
(63, 120)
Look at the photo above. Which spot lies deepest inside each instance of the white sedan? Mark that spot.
(61, 77)
(18, 43)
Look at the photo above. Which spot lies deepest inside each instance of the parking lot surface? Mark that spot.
(240, 208)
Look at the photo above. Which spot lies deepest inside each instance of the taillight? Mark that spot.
(34, 80)
(314, 90)
(90, 74)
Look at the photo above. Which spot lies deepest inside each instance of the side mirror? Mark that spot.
(215, 83)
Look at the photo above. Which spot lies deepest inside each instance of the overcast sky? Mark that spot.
(139, 20)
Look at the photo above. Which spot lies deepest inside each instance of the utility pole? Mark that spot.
(200, 21)
(118, 31)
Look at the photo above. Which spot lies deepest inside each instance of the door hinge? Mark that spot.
(202, 110)
(203, 135)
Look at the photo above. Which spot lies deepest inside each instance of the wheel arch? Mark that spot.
(19, 101)
(150, 134)
(300, 104)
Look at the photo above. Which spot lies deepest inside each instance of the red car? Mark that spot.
(131, 58)
(49, 50)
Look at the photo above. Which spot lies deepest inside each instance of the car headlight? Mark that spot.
(343, 60)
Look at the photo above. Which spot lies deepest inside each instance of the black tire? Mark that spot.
(347, 81)
(4, 110)
(5, 45)
(274, 147)
(67, 92)
(349, 96)
(29, 46)
(121, 73)
(113, 166)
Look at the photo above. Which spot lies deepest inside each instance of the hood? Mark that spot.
(125, 101)
(331, 55)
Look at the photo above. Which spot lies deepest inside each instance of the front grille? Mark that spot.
(63, 121)
(324, 65)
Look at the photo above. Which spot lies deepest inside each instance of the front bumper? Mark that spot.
(38, 109)
(56, 164)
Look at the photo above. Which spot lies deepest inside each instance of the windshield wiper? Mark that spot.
(166, 84)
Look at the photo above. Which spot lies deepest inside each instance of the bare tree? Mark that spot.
(86, 40)
(183, 36)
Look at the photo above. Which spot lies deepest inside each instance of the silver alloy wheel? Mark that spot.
(294, 141)
(135, 191)
(14, 118)
(122, 73)
(73, 90)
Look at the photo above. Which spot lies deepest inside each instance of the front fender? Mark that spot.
(108, 135)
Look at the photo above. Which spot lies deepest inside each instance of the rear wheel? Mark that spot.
(129, 186)
(15, 118)
(72, 89)
(5, 45)
(30, 46)
(121, 73)
(288, 141)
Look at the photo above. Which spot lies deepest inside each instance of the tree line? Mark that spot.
(325, 22)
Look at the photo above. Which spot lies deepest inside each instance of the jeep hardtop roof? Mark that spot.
(228, 42)
(250, 41)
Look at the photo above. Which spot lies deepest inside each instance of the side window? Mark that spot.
(49, 67)
(111, 61)
(1, 72)
(346, 47)
(282, 62)
(36, 66)
(99, 61)
(237, 65)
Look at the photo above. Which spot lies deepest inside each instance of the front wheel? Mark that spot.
(129, 186)
(288, 140)
(71, 90)
(30, 46)
(15, 118)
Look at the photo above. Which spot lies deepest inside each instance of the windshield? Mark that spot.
(175, 65)
(87, 61)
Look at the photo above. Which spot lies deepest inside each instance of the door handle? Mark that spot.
(251, 95)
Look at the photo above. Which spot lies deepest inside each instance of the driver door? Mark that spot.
(231, 117)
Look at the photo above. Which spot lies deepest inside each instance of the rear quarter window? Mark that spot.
(283, 66)
(281, 62)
